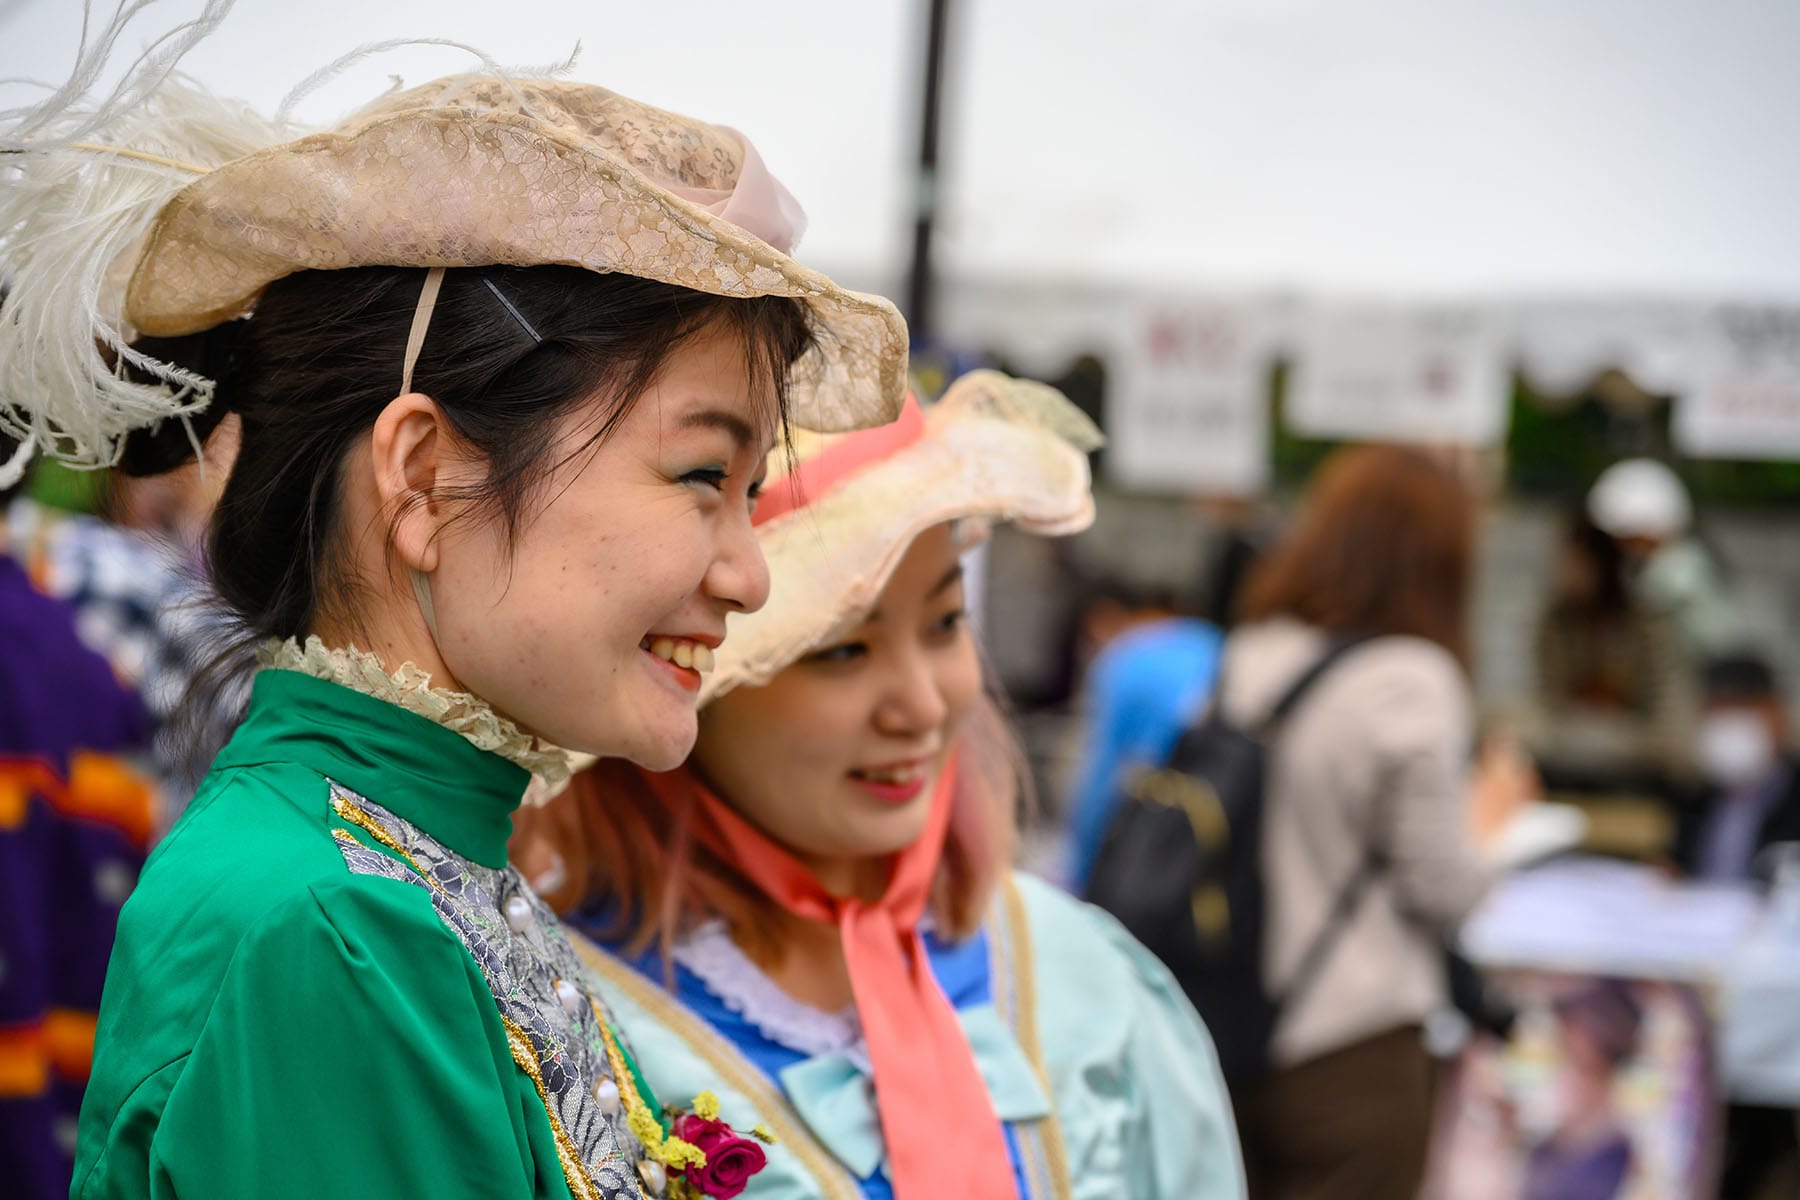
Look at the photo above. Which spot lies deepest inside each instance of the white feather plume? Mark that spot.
(80, 184)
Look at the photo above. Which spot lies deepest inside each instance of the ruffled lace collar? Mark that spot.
(728, 973)
(410, 688)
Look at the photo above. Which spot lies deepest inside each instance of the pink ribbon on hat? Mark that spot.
(757, 204)
(842, 458)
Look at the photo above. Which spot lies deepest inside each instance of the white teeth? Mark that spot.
(696, 656)
(893, 774)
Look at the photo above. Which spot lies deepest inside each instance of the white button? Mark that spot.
(518, 914)
(606, 1092)
(570, 997)
(655, 1178)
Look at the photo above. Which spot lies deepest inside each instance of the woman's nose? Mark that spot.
(913, 700)
(739, 575)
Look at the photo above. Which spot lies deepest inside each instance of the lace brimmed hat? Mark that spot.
(167, 211)
(835, 526)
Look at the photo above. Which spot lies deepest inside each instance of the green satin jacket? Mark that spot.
(329, 984)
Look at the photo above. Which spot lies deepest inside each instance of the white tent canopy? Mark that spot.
(1535, 146)
(1570, 185)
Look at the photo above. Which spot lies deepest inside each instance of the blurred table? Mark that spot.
(1597, 916)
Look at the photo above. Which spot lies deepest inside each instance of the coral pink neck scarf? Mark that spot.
(943, 1138)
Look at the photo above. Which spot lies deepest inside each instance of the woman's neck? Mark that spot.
(809, 964)
(394, 638)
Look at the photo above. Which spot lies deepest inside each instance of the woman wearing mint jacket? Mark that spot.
(815, 918)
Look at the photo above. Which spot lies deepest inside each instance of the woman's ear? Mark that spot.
(406, 450)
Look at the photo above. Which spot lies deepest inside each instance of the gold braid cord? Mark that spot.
(575, 1174)
(732, 1068)
(363, 821)
(1015, 967)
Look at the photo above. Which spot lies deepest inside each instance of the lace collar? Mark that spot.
(728, 973)
(410, 688)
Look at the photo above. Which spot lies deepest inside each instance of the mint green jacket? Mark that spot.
(1138, 1108)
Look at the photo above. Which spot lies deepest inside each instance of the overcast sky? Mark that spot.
(1409, 146)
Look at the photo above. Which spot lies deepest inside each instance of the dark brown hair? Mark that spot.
(1384, 544)
(312, 369)
(510, 352)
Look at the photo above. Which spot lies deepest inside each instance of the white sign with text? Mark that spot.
(1746, 399)
(1425, 373)
(1187, 397)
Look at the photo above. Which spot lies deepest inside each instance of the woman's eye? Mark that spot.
(712, 477)
(950, 622)
(843, 653)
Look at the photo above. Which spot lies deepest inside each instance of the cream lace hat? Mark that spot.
(835, 526)
(169, 213)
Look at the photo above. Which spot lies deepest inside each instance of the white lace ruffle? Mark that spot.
(728, 973)
(410, 688)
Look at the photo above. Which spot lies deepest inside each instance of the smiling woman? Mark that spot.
(508, 356)
(815, 917)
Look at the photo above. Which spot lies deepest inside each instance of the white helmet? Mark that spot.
(1640, 497)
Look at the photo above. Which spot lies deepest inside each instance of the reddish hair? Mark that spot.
(608, 839)
(1384, 544)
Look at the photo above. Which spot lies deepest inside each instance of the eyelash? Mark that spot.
(717, 477)
(850, 651)
(712, 477)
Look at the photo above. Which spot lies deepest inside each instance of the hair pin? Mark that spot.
(516, 314)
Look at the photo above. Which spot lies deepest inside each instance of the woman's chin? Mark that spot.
(664, 746)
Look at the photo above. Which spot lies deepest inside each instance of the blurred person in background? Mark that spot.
(116, 579)
(140, 600)
(1752, 796)
(1643, 504)
(1142, 689)
(1151, 680)
(75, 818)
(1751, 803)
(1372, 768)
(816, 918)
(1615, 689)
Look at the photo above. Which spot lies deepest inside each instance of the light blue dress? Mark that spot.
(1104, 1075)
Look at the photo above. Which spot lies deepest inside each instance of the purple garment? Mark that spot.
(1592, 1172)
(62, 876)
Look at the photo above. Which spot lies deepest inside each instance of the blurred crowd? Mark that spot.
(1655, 714)
(1389, 796)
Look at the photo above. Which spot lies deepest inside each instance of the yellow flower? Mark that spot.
(706, 1106)
(676, 1154)
(761, 1133)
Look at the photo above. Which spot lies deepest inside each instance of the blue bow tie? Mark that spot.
(835, 1096)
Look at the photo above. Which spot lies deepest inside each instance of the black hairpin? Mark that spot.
(516, 314)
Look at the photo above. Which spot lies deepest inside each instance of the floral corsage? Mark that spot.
(727, 1159)
(691, 1152)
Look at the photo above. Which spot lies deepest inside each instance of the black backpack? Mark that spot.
(1181, 868)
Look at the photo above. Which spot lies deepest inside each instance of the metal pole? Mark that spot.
(918, 290)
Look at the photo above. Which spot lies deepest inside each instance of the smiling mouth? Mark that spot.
(903, 774)
(899, 783)
(682, 652)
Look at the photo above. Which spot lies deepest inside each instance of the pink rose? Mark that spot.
(730, 1160)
